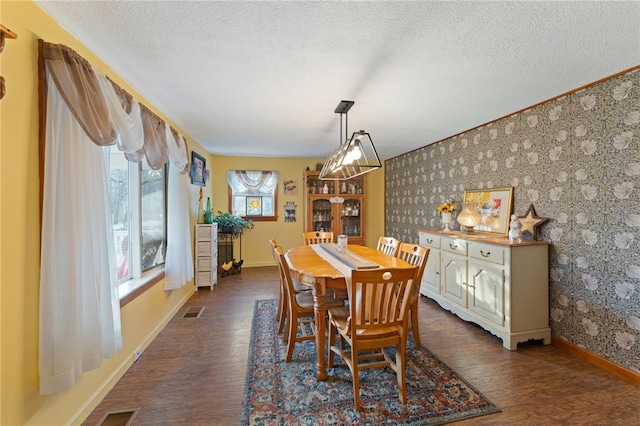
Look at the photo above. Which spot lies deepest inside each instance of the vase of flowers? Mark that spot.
(447, 209)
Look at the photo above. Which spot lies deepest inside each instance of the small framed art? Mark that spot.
(290, 187)
(254, 206)
(198, 168)
(494, 206)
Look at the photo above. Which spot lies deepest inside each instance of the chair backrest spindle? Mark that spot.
(316, 237)
(388, 245)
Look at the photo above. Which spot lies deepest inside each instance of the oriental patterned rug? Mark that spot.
(280, 393)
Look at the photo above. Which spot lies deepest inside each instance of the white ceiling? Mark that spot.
(264, 78)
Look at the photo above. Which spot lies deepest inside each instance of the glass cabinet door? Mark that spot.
(351, 217)
(321, 215)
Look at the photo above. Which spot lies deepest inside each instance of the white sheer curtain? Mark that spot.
(244, 180)
(129, 126)
(179, 259)
(79, 306)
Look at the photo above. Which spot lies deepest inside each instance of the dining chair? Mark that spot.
(283, 301)
(300, 312)
(416, 255)
(316, 237)
(388, 245)
(281, 315)
(376, 318)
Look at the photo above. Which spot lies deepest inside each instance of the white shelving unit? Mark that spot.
(206, 267)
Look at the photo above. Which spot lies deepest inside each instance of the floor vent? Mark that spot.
(193, 312)
(119, 418)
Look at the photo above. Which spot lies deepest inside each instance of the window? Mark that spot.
(138, 207)
(253, 193)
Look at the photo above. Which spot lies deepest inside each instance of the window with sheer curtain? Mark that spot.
(253, 193)
(138, 209)
(85, 118)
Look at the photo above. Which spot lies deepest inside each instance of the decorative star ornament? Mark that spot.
(531, 222)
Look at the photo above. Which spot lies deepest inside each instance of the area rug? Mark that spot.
(281, 393)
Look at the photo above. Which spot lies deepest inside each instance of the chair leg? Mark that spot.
(282, 319)
(332, 338)
(292, 323)
(356, 379)
(414, 324)
(401, 357)
(280, 313)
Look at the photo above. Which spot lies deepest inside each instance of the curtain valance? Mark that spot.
(245, 180)
(110, 115)
(79, 87)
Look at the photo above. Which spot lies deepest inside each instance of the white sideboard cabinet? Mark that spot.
(206, 270)
(484, 279)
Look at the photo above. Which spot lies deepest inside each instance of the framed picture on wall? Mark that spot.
(198, 167)
(494, 206)
(290, 187)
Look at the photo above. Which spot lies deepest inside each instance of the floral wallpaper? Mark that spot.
(577, 160)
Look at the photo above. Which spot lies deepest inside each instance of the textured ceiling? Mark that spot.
(264, 78)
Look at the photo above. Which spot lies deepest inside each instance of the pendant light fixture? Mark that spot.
(354, 157)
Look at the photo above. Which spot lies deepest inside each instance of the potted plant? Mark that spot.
(230, 224)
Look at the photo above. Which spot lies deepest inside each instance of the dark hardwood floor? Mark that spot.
(193, 373)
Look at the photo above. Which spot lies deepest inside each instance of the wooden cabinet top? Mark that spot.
(314, 186)
(481, 237)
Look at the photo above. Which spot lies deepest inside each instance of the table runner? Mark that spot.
(328, 252)
(338, 259)
(343, 268)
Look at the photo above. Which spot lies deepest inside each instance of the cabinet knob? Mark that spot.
(453, 246)
(429, 241)
(483, 254)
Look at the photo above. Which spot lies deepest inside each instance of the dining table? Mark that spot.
(322, 263)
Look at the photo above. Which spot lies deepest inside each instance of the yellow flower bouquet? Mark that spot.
(447, 207)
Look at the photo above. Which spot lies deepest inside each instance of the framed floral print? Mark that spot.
(494, 206)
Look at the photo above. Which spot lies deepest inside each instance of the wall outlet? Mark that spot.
(137, 354)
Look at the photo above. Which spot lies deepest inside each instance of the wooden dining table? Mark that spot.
(305, 262)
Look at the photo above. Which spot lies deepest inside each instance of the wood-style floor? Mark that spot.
(193, 373)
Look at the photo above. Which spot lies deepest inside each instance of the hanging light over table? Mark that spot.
(354, 157)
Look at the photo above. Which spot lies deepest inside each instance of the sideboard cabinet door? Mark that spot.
(500, 286)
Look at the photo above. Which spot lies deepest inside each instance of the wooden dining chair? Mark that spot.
(416, 255)
(316, 237)
(388, 245)
(281, 315)
(300, 312)
(283, 301)
(376, 318)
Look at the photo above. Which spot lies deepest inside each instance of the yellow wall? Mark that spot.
(142, 319)
(255, 246)
(20, 401)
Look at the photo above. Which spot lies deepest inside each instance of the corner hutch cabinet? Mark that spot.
(206, 270)
(484, 279)
(335, 206)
